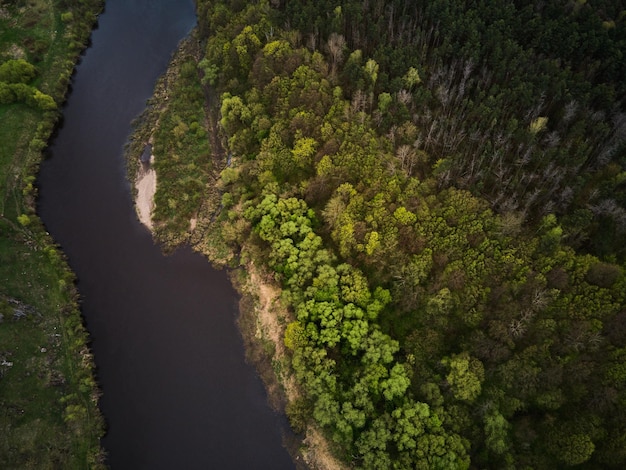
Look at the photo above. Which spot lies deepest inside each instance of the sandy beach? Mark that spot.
(145, 184)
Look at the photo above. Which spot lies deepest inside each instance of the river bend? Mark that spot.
(177, 392)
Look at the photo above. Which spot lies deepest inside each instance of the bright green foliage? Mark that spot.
(20, 92)
(23, 219)
(397, 383)
(326, 321)
(465, 376)
(404, 216)
(412, 77)
(246, 44)
(14, 78)
(373, 444)
(425, 444)
(384, 101)
(234, 113)
(43, 101)
(379, 348)
(538, 125)
(294, 335)
(67, 17)
(303, 152)
(410, 423)
(210, 72)
(371, 71)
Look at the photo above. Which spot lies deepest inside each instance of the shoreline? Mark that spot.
(268, 323)
(262, 318)
(49, 380)
(261, 321)
(145, 188)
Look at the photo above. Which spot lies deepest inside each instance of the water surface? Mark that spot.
(177, 392)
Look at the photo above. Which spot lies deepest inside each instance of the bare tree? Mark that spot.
(336, 47)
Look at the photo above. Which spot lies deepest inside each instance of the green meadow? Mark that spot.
(48, 396)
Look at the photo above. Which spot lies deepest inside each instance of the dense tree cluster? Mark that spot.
(14, 78)
(355, 386)
(523, 103)
(428, 182)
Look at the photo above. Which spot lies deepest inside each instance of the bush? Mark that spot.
(17, 71)
(23, 219)
(6, 94)
(42, 101)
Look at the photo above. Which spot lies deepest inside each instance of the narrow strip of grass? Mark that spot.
(48, 396)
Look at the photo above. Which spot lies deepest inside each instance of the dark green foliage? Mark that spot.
(603, 274)
(489, 74)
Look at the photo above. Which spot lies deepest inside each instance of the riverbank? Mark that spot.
(437, 319)
(175, 124)
(263, 320)
(262, 316)
(145, 187)
(176, 387)
(48, 395)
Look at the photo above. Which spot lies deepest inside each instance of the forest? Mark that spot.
(439, 190)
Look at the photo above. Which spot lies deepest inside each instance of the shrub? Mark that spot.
(17, 71)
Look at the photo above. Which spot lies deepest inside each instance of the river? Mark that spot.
(177, 391)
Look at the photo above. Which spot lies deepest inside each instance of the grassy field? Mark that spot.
(48, 397)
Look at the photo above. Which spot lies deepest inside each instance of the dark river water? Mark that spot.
(177, 392)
